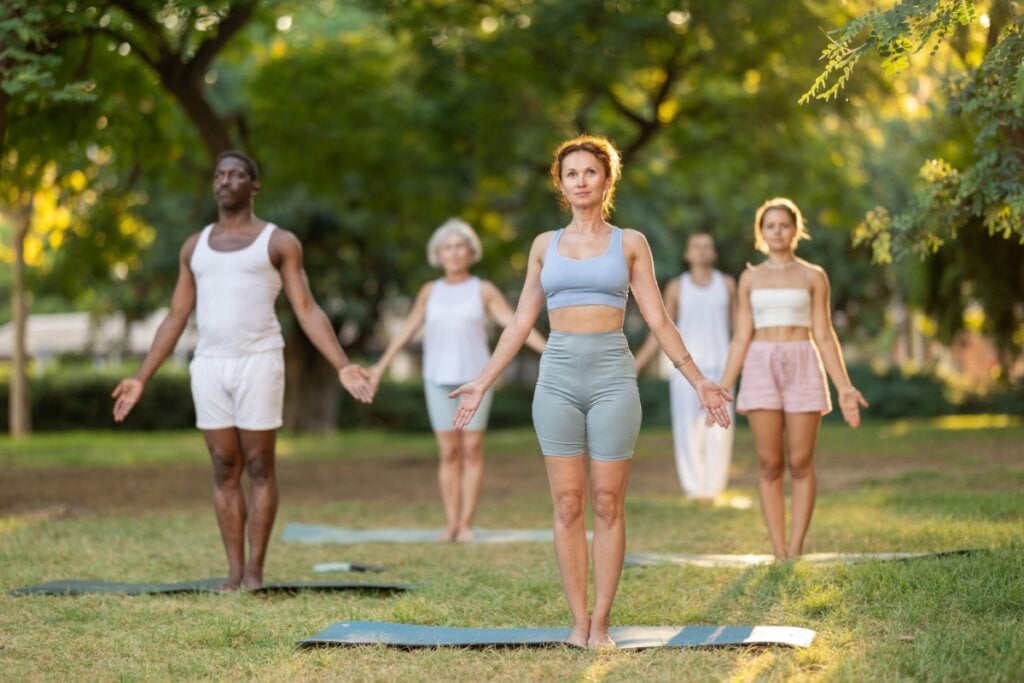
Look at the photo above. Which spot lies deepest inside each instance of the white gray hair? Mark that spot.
(453, 226)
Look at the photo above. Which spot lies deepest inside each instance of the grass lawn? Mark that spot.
(907, 486)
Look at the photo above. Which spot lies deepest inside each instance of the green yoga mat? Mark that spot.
(625, 637)
(85, 586)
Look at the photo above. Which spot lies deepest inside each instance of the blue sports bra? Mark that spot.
(602, 280)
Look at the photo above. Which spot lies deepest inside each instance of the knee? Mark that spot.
(608, 507)
(772, 470)
(569, 507)
(450, 454)
(473, 452)
(801, 468)
(227, 470)
(260, 467)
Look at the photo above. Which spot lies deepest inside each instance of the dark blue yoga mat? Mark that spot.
(625, 637)
(86, 586)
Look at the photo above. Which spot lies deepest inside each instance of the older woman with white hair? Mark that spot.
(453, 311)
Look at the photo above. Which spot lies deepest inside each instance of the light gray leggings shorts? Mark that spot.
(586, 396)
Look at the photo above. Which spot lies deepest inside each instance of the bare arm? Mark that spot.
(531, 300)
(412, 325)
(500, 311)
(650, 346)
(742, 333)
(286, 252)
(645, 289)
(730, 287)
(128, 392)
(850, 399)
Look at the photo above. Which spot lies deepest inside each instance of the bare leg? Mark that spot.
(608, 480)
(472, 478)
(801, 435)
(228, 500)
(449, 474)
(766, 426)
(567, 478)
(258, 453)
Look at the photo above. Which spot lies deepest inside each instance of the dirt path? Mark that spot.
(405, 478)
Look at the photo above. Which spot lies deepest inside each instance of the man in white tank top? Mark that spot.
(231, 272)
(703, 301)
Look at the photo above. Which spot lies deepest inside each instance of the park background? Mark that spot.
(897, 129)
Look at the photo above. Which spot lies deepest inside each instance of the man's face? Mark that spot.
(232, 185)
(700, 251)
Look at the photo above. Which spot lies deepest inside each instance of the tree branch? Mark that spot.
(238, 16)
(142, 17)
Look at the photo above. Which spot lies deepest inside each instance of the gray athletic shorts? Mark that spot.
(586, 396)
(442, 409)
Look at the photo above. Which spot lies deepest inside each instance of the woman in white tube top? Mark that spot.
(784, 341)
(453, 312)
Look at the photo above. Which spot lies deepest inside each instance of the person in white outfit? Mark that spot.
(453, 312)
(703, 302)
(232, 272)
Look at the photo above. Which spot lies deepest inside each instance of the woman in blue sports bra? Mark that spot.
(586, 398)
(784, 340)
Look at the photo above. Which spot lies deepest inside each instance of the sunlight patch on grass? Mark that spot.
(959, 422)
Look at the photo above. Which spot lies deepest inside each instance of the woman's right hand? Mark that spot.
(127, 393)
(714, 399)
(472, 394)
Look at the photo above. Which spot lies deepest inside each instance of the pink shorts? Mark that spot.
(785, 376)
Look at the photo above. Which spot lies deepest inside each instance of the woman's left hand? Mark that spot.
(714, 399)
(850, 403)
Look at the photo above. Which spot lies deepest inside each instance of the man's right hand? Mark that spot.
(127, 392)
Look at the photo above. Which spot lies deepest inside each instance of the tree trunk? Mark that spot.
(20, 407)
(312, 389)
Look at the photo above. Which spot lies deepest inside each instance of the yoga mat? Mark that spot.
(323, 567)
(84, 586)
(625, 637)
(314, 533)
(685, 559)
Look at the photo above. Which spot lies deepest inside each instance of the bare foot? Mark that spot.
(229, 586)
(251, 582)
(448, 536)
(604, 642)
(577, 636)
(465, 535)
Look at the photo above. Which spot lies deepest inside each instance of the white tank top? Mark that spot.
(704, 320)
(455, 332)
(235, 295)
(780, 307)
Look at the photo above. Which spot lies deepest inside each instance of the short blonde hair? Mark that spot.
(606, 153)
(790, 207)
(453, 226)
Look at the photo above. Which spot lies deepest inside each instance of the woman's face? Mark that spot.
(454, 254)
(778, 230)
(584, 181)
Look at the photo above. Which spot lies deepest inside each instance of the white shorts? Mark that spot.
(246, 392)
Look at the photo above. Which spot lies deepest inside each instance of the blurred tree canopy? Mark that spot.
(373, 122)
(965, 213)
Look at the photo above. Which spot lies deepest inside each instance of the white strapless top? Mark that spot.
(781, 307)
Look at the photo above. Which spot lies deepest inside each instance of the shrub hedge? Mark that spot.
(80, 399)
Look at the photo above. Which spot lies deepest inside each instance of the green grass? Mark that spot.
(917, 486)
